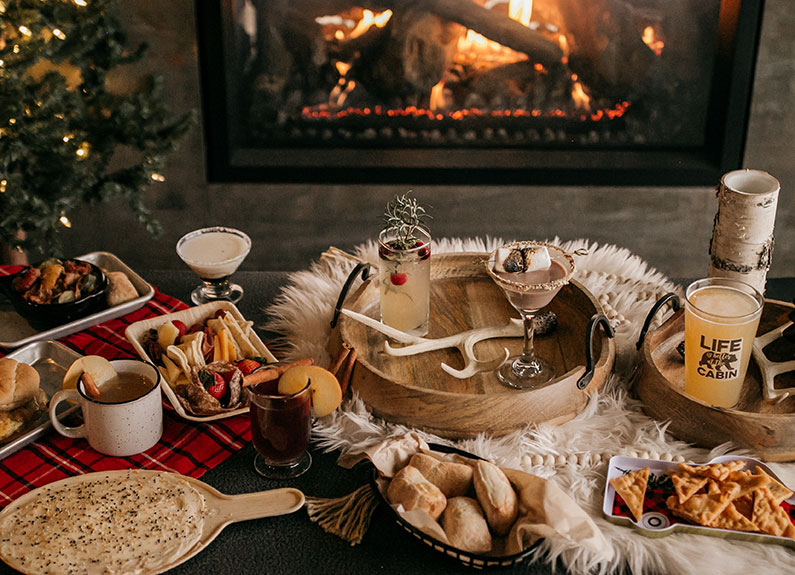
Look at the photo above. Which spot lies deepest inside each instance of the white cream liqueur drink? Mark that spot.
(720, 326)
(214, 254)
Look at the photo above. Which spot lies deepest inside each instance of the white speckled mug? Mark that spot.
(118, 429)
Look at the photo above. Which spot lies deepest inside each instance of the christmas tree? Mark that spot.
(63, 132)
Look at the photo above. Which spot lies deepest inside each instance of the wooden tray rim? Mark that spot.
(666, 332)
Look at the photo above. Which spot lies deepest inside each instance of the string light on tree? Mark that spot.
(64, 124)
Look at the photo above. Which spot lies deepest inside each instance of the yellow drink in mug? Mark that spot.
(721, 319)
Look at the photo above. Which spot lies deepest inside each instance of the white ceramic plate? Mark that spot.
(135, 334)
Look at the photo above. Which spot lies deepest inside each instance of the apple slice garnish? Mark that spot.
(99, 369)
(326, 390)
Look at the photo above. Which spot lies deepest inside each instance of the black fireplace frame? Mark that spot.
(725, 133)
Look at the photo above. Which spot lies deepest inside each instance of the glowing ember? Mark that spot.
(650, 39)
(369, 19)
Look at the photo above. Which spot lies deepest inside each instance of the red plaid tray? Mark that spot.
(187, 448)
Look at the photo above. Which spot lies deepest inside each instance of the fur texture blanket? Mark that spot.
(573, 455)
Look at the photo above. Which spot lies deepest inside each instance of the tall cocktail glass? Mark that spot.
(214, 254)
(280, 429)
(405, 282)
(529, 292)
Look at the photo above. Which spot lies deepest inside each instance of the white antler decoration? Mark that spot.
(464, 341)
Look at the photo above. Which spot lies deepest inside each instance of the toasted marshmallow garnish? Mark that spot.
(515, 260)
(536, 258)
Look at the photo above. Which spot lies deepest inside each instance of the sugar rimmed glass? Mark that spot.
(528, 293)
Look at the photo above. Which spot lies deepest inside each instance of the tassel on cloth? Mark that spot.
(346, 517)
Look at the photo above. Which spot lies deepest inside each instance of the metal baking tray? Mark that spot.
(15, 331)
(51, 359)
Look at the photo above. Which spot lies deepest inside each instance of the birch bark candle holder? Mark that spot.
(742, 237)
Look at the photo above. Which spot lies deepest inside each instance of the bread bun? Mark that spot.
(454, 479)
(410, 489)
(496, 496)
(120, 289)
(465, 526)
(19, 383)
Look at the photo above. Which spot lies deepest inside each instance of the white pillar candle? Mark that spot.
(742, 236)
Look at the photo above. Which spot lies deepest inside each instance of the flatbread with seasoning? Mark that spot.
(632, 489)
(701, 508)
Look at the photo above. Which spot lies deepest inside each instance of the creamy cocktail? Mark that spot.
(214, 254)
(530, 274)
(721, 319)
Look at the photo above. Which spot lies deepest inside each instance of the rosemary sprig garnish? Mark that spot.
(403, 216)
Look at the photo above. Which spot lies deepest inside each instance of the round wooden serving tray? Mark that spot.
(766, 428)
(415, 391)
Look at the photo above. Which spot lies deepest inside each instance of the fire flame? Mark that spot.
(437, 97)
(521, 11)
(474, 46)
(582, 101)
(650, 39)
(370, 19)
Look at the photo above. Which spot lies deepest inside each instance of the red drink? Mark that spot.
(280, 424)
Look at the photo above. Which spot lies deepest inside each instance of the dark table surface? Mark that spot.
(292, 544)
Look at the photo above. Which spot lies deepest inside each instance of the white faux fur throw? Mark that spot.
(573, 455)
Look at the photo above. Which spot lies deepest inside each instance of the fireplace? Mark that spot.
(476, 91)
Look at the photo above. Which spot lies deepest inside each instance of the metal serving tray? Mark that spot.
(15, 331)
(51, 359)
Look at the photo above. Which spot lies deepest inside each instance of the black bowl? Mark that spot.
(474, 560)
(53, 314)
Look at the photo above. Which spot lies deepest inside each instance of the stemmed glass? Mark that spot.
(529, 292)
(214, 254)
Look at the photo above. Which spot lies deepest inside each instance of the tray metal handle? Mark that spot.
(365, 270)
(590, 332)
(675, 305)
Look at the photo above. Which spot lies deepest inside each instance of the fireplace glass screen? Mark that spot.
(476, 90)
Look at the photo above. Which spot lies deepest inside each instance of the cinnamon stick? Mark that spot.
(336, 364)
(90, 385)
(347, 370)
(271, 372)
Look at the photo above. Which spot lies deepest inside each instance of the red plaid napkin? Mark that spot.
(186, 447)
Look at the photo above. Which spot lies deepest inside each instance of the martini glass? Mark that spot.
(214, 254)
(529, 292)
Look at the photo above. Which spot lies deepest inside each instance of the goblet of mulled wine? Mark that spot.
(529, 288)
(214, 254)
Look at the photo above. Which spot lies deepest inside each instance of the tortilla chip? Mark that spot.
(716, 471)
(713, 487)
(731, 518)
(745, 505)
(779, 491)
(701, 508)
(632, 489)
(686, 485)
(769, 517)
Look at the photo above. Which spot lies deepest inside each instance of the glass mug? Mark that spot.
(721, 319)
(280, 430)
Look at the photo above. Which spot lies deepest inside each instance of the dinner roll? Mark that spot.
(120, 289)
(410, 489)
(496, 496)
(465, 526)
(454, 479)
(19, 383)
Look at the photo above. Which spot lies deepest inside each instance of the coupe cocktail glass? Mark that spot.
(214, 255)
(529, 292)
